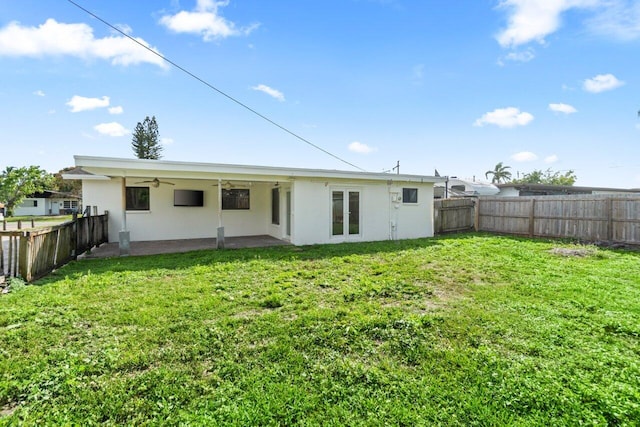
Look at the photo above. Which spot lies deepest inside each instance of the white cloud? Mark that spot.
(505, 118)
(551, 159)
(601, 83)
(206, 21)
(533, 20)
(116, 110)
(619, 19)
(166, 141)
(80, 103)
(524, 156)
(270, 91)
(39, 93)
(111, 129)
(562, 108)
(58, 39)
(522, 56)
(359, 147)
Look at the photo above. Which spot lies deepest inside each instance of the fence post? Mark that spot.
(74, 236)
(476, 215)
(33, 223)
(1, 257)
(11, 250)
(26, 245)
(532, 217)
(609, 219)
(19, 224)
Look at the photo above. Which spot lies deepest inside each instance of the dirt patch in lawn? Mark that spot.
(573, 252)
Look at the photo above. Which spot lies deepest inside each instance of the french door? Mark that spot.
(345, 213)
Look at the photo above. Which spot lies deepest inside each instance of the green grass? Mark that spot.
(464, 330)
(57, 218)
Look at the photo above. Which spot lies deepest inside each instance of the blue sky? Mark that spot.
(535, 84)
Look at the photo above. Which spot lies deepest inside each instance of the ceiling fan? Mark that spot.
(155, 182)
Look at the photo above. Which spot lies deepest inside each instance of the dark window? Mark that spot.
(410, 195)
(275, 206)
(235, 199)
(137, 198)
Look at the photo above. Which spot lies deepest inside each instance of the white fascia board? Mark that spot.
(88, 177)
(192, 170)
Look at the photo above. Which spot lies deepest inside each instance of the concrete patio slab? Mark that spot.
(109, 250)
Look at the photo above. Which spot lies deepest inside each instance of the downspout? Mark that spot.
(220, 235)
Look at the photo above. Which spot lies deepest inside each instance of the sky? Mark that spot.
(431, 84)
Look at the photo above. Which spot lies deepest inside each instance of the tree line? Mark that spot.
(502, 175)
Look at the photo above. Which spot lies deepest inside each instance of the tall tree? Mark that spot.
(146, 140)
(73, 186)
(18, 183)
(499, 174)
(548, 177)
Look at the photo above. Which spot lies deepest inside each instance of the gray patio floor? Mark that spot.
(109, 250)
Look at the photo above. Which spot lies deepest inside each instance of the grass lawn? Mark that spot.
(464, 330)
(46, 218)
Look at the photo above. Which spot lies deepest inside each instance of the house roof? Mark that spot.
(106, 167)
(50, 194)
(565, 188)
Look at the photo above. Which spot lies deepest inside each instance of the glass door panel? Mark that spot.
(337, 213)
(354, 212)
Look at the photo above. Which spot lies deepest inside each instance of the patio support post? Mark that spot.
(220, 236)
(124, 241)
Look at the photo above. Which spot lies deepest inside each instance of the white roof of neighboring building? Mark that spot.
(118, 167)
(475, 188)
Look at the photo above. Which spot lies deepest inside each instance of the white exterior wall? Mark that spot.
(49, 206)
(415, 220)
(312, 210)
(41, 209)
(279, 231)
(509, 192)
(164, 221)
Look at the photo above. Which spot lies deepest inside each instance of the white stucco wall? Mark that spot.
(41, 209)
(312, 212)
(509, 192)
(164, 221)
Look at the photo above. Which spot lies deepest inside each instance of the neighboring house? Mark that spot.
(48, 203)
(456, 187)
(515, 190)
(162, 200)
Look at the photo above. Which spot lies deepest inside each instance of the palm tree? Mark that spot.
(500, 174)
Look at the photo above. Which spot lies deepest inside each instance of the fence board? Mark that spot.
(34, 253)
(592, 218)
(452, 215)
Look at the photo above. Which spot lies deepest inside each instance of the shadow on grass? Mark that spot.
(186, 260)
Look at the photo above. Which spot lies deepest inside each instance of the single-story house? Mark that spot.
(47, 203)
(166, 200)
(515, 190)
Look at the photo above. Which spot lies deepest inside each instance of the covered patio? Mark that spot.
(154, 247)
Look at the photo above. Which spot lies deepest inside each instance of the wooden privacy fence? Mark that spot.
(593, 218)
(451, 215)
(31, 254)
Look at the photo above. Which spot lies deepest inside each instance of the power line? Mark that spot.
(210, 86)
